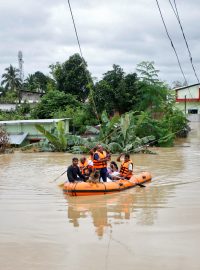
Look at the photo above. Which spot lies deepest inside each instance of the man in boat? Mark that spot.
(74, 173)
(126, 169)
(100, 162)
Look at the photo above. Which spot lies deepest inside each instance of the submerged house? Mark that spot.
(21, 132)
(188, 100)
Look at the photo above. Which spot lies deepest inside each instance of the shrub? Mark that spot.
(4, 140)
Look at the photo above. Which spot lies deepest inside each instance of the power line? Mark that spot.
(175, 10)
(173, 48)
(75, 30)
(83, 61)
(171, 42)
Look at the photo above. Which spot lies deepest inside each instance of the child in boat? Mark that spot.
(126, 169)
(113, 171)
(85, 166)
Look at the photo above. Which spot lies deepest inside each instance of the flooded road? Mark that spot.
(156, 227)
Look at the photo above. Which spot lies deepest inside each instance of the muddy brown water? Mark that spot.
(156, 227)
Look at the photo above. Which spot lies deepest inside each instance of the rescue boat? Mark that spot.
(100, 188)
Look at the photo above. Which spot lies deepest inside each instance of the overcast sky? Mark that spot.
(123, 32)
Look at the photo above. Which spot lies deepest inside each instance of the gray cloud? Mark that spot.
(111, 32)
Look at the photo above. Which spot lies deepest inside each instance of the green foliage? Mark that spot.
(80, 117)
(107, 128)
(153, 96)
(52, 102)
(116, 92)
(8, 97)
(24, 108)
(12, 81)
(118, 134)
(58, 140)
(147, 72)
(37, 82)
(12, 115)
(4, 140)
(145, 106)
(72, 77)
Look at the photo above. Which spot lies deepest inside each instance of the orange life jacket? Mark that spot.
(84, 167)
(124, 169)
(98, 164)
(91, 167)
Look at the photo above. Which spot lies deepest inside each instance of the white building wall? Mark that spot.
(7, 107)
(190, 92)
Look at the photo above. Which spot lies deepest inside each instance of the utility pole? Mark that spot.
(21, 73)
(185, 104)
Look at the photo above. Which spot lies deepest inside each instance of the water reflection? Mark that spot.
(138, 205)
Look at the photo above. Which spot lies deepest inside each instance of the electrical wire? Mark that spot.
(175, 10)
(173, 48)
(171, 42)
(83, 61)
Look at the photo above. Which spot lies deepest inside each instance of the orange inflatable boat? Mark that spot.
(86, 189)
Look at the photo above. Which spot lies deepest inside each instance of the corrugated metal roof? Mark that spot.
(35, 121)
(184, 87)
(17, 138)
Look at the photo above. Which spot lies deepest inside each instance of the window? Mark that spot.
(192, 111)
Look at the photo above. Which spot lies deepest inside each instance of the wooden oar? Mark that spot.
(58, 177)
(61, 184)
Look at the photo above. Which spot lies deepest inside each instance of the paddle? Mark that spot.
(58, 177)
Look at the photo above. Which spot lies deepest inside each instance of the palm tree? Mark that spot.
(11, 80)
(31, 83)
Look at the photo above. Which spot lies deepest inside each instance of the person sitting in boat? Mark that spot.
(113, 171)
(84, 166)
(100, 162)
(91, 158)
(126, 169)
(74, 173)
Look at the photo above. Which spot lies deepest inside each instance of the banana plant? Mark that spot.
(125, 139)
(58, 140)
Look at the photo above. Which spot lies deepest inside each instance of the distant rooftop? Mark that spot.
(184, 87)
(32, 121)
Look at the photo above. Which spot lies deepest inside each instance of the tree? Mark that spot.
(116, 91)
(58, 140)
(147, 72)
(177, 84)
(72, 77)
(37, 82)
(30, 83)
(153, 97)
(12, 81)
(153, 93)
(52, 102)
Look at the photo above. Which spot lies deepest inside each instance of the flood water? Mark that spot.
(156, 227)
